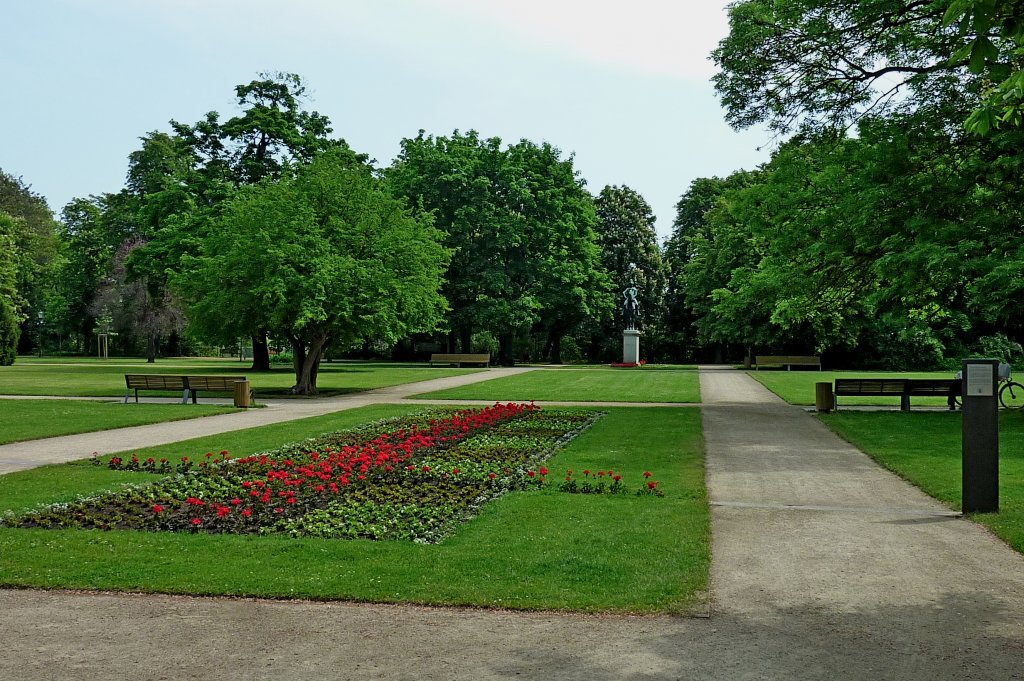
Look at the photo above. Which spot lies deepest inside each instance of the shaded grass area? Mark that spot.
(34, 419)
(797, 387)
(925, 449)
(530, 550)
(105, 378)
(595, 385)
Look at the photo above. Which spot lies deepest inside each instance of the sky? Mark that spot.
(623, 87)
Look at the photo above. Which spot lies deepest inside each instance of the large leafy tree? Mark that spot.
(35, 248)
(184, 179)
(520, 225)
(322, 257)
(10, 301)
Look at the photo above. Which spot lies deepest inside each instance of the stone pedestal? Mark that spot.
(630, 346)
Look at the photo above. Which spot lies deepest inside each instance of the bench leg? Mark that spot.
(194, 395)
(184, 396)
(904, 402)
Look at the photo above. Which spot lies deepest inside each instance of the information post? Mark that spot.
(980, 436)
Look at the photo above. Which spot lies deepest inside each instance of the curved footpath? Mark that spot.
(824, 567)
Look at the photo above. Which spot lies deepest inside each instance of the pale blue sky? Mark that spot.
(623, 86)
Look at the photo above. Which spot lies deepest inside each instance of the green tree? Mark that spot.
(10, 301)
(326, 256)
(36, 249)
(520, 225)
(185, 179)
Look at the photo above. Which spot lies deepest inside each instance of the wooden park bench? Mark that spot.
(187, 385)
(460, 359)
(904, 388)
(788, 361)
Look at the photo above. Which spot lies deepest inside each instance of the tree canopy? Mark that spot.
(324, 256)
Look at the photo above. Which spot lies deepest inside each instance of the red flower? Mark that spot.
(236, 502)
(616, 478)
(246, 512)
(543, 470)
(647, 474)
(652, 485)
(157, 508)
(492, 476)
(197, 521)
(530, 473)
(455, 471)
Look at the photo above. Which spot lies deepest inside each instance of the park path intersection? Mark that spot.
(824, 567)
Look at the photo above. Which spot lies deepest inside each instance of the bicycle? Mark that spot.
(1011, 393)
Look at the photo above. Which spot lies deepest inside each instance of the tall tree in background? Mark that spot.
(35, 249)
(326, 256)
(520, 225)
(184, 179)
(629, 250)
(10, 301)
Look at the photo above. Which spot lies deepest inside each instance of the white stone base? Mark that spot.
(630, 346)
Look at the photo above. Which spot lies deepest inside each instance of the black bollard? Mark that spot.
(980, 467)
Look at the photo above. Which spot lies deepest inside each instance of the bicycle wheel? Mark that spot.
(1011, 395)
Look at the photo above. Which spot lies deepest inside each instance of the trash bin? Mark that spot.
(823, 400)
(243, 395)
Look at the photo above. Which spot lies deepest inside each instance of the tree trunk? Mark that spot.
(306, 372)
(466, 339)
(152, 341)
(555, 345)
(260, 352)
(450, 343)
(505, 350)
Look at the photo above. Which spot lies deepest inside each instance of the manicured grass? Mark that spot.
(595, 385)
(797, 387)
(34, 419)
(105, 378)
(925, 448)
(530, 550)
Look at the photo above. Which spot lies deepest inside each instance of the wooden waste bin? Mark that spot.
(823, 400)
(243, 395)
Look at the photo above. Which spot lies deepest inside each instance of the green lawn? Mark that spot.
(105, 378)
(925, 448)
(34, 419)
(530, 550)
(594, 385)
(797, 387)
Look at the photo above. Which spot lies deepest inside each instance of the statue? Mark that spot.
(630, 303)
(630, 308)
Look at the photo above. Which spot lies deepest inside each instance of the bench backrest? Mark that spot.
(436, 357)
(154, 382)
(788, 359)
(929, 386)
(213, 382)
(869, 386)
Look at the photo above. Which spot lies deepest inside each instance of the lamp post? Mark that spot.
(39, 333)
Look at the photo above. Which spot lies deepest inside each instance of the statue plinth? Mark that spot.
(630, 346)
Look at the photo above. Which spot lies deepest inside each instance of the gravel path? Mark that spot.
(825, 567)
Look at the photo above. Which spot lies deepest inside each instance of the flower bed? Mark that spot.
(414, 478)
